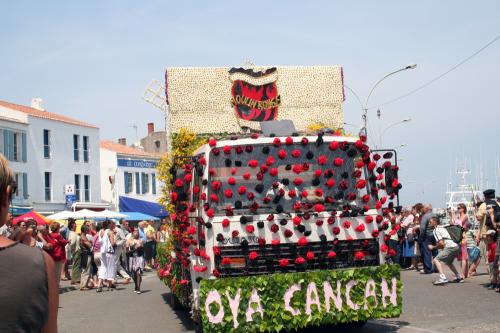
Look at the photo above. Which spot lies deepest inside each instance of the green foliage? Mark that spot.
(272, 288)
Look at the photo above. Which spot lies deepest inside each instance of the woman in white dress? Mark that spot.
(107, 269)
(135, 251)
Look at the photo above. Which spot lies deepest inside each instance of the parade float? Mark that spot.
(277, 215)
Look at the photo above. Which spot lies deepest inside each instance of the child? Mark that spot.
(491, 241)
(472, 250)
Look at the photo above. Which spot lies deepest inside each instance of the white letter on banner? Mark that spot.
(370, 291)
(214, 297)
(393, 294)
(337, 299)
(348, 288)
(254, 298)
(234, 304)
(287, 298)
(311, 289)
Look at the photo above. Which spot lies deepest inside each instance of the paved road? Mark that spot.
(456, 308)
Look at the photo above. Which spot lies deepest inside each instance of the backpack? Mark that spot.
(456, 233)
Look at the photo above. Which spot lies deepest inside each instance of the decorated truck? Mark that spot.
(280, 227)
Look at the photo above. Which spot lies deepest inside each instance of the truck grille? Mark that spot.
(268, 256)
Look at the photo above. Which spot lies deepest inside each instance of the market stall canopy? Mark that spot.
(135, 205)
(64, 215)
(136, 216)
(39, 219)
(86, 214)
(109, 214)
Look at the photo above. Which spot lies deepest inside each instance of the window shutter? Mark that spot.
(23, 144)
(25, 185)
(125, 179)
(6, 140)
(143, 182)
(153, 183)
(11, 145)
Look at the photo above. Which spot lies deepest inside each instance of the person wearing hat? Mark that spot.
(491, 244)
(485, 222)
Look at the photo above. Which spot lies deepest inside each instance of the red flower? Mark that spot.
(216, 272)
(274, 228)
(174, 196)
(375, 233)
(300, 261)
(360, 228)
(252, 255)
(273, 172)
(318, 192)
(210, 212)
(283, 262)
(359, 255)
(310, 255)
(319, 223)
(188, 177)
(296, 153)
(360, 164)
(250, 228)
(372, 165)
(183, 282)
(253, 163)
(212, 142)
(234, 171)
(333, 145)
(214, 197)
(282, 154)
(242, 190)
(338, 162)
(275, 241)
(227, 149)
(250, 196)
(302, 241)
(317, 173)
(246, 176)
(331, 220)
(297, 220)
(332, 254)
(358, 144)
(369, 219)
(383, 200)
(225, 223)
(231, 181)
(179, 182)
(319, 208)
(216, 185)
(365, 198)
(322, 159)
(270, 217)
(391, 253)
(379, 218)
(277, 142)
(203, 196)
(261, 241)
(376, 157)
(191, 230)
(361, 184)
(289, 141)
(270, 160)
(263, 168)
(235, 233)
(351, 196)
(202, 161)
(297, 205)
(336, 230)
(228, 193)
(395, 182)
(304, 194)
(226, 261)
(288, 233)
(297, 168)
(378, 205)
(330, 182)
(346, 224)
(292, 193)
(298, 181)
(384, 248)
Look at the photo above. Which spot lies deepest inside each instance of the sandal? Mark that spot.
(99, 290)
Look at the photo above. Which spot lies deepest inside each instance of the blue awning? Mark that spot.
(136, 216)
(135, 205)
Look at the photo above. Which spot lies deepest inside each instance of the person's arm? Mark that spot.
(112, 239)
(53, 295)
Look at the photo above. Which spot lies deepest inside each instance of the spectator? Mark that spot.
(150, 247)
(491, 245)
(96, 249)
(119, 250)
(449, 251)
(473, 252)
(107, 269)
(58, 252)
(29, 294)
(74, 247)
(135, 248)
(426, 238)
(6, 229)
(162, 234)
(86, 282)
(417, 212)
(461, 219)
(485, 219)
(393, 242)
(408, 225)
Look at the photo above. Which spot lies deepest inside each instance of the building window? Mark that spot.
(77, 187)
(86, 188)
(16, 179)
(76, 147)
(153, 183)
(46, 143)
(128, 182)
(14, 146)
(85, 149)
(145, 183)
(48, 186)
(137, 183)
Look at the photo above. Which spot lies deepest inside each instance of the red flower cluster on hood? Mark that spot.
(283, 262)
(310, 255)
(302, 241)
(331, 254)
(369, 219)
(333, 145)
(253, 163)
(360, 228)
(346, 224)
(250, 228)
(225, 223)
(338, 162)
(212, 142)
(359, 255)
(297, 220)
(226, 150)
(300, 261)
(282, 154)
(296, 153)
(252, 255)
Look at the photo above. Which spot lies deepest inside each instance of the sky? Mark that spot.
(92, 60)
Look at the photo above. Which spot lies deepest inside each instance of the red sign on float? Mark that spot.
(255, 96)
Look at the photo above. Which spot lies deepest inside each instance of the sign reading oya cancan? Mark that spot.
(294, 300)
(131, 163)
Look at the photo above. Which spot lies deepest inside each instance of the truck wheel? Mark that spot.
(174, 302)
(357, 324)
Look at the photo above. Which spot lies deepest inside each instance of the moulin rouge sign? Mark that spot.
(244, 303)
(255, 95)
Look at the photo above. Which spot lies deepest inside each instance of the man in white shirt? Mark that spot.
(448, 253)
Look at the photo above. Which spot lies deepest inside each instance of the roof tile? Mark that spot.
(126, 150)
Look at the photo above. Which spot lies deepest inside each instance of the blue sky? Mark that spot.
(92, 60)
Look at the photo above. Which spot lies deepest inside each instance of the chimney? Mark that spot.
(122, 141)
(37, 103)
(151, 128)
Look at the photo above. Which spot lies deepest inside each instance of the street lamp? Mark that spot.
(407, 120)
(364, 106)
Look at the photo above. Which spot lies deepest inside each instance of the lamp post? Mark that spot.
(364, 106)
(407, 120)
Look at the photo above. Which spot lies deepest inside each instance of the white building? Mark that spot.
(128, 172)
(48, 151)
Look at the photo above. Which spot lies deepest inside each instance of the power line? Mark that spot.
(439, 76)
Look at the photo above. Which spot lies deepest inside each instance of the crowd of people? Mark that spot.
(100, 254)
(420, 240)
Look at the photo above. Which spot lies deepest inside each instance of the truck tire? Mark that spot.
(357, 324)
(174, 302)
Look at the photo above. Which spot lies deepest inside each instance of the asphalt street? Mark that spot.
(457, 308)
